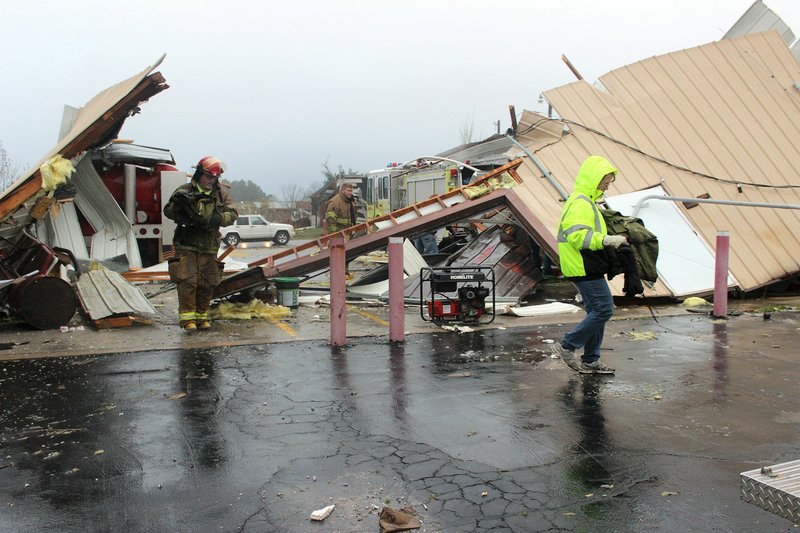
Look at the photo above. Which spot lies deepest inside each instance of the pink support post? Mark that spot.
(396, 304)
(338, 290)
(721, 275)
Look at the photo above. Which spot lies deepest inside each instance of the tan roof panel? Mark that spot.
(96, 122)
(696, 121)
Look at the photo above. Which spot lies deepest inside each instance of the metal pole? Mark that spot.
(721, 274)
(130, 193)
(338, 290)
(642, 200)
(541, 168)
(396, 304)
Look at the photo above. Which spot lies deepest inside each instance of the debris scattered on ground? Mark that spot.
(459, 329)
(398, 520)
(553, 308)
(459, 375)
(641, 335)
(247, 311)
(177, 396)
(694, 301)
(321, 514)
(669, 493)
(99, 452)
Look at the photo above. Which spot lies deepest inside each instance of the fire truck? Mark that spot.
(141, 180)
(400, 185)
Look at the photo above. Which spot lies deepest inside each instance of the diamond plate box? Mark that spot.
(774, 488)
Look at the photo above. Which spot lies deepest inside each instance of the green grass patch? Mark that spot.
(308, 233)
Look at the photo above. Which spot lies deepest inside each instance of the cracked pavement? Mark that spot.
(476, 432)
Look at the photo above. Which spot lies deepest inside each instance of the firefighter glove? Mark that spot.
(615, 241)
(215, 220)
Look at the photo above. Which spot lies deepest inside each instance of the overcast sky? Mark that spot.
(277, 88)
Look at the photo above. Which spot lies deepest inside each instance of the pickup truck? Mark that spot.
(255, 228)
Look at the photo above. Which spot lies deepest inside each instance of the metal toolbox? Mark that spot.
(774, 488)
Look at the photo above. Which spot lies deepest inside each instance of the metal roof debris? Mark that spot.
(104, 293)
(722, 119)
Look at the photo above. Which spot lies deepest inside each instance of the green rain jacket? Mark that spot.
(582, 228)
(199, 214)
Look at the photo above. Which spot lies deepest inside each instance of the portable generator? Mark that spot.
(456, 294)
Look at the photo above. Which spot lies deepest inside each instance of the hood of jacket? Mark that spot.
(591, 172)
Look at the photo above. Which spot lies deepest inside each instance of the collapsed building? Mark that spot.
(706, 140)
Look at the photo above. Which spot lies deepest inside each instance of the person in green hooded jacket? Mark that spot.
(582, 237)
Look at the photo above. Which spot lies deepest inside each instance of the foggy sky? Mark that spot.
(277, 88)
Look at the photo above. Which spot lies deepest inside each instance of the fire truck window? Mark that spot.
(384, 194)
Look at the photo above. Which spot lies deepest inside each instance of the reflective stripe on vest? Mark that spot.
(562, 233)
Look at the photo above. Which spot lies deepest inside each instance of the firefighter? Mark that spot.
(199, 208)
(340, 211)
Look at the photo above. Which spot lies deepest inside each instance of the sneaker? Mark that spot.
(190, 326)
(204, 325)
(595, 368)
(568, 356)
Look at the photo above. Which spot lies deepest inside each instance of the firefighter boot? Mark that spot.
(189, 325)
(204, 325)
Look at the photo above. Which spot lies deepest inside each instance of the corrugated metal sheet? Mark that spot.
(489, 152)
(114, 235)
(696, 121)
(516, 271)
(135, 154)
(104, 293)
(760, 18)
(63, 230)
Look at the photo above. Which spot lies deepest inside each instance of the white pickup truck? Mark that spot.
(255, 228)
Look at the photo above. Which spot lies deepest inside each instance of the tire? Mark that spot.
(232, 239)
(282, 237)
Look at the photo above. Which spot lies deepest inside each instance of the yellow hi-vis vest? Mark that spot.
(582, 228)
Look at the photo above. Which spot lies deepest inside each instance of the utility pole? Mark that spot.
(497, 123)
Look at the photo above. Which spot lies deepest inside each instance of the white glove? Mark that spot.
(615, 241)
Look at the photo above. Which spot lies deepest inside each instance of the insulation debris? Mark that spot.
(503, 181)
(55, 172)
(641, 335)
(694, 301)
(248, 311)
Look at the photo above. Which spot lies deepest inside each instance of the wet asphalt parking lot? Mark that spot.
(477, 432)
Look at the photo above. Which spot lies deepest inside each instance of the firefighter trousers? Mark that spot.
(196, 276)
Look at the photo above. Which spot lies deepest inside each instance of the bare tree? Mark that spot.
(9, 169)
(466, 131)
(293, 193)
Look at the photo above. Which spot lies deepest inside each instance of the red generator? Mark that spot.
(456, 294)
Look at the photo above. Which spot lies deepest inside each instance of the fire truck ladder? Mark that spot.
(427, 215)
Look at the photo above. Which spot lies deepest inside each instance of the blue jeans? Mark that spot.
(588, 334)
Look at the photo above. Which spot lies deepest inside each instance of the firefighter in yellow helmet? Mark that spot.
(199, 208)
(582, 238)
